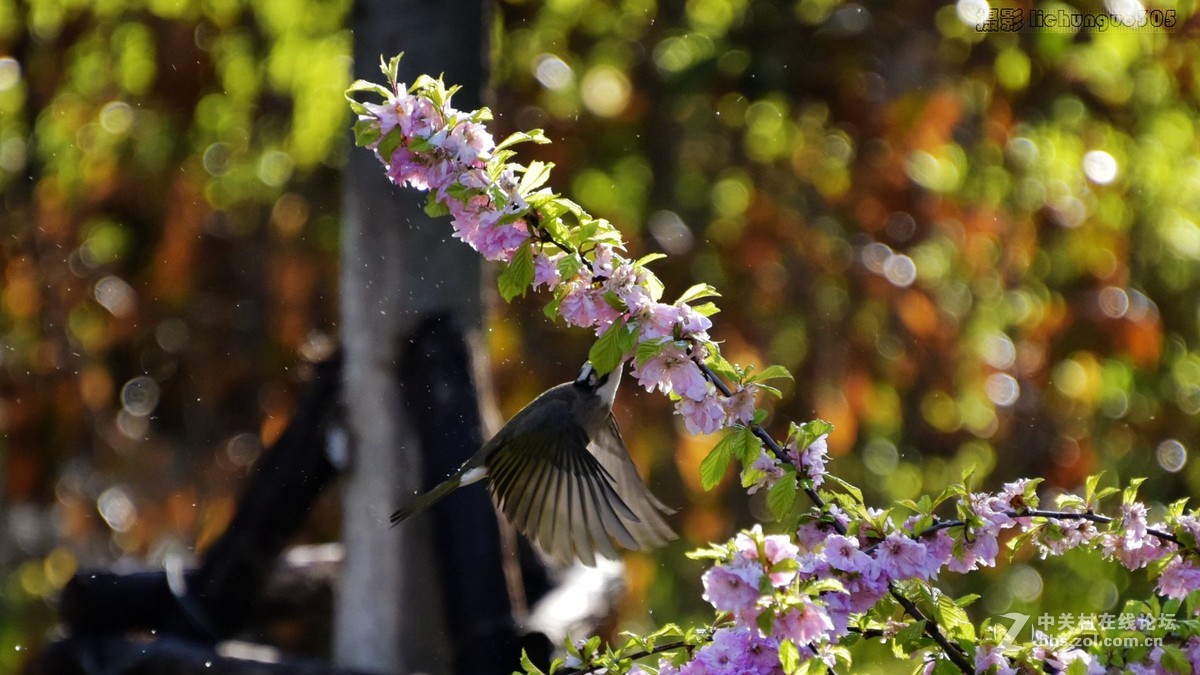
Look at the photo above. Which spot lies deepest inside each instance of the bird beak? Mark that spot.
(608, 391)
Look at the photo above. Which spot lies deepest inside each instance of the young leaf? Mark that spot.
(527, 664)
(789, 656)
(650, 349)
(363, 85)
(533, 136)
(782, 495)
(366, 132)
(649, 258)
(696, 292)
(434, 208)
(391, 69)
(771, 373)
(518, 276)
(534, 177)
(609, 349)
(713, 467)
(720, 366)
(390, 141)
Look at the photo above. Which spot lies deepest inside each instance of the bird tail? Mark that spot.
(428, 499)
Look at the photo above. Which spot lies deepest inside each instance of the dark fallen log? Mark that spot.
(211, 602)
(91, 654)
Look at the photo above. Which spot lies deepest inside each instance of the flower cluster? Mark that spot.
(497, 208)
(824, 581)
(784, 599)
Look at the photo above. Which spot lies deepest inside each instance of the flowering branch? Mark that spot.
(843, 569)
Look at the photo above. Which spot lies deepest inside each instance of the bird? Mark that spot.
(559, 471)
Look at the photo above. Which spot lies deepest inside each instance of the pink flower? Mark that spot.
(992, 661)
(584, 306)
(1058, 537)
(812, 459)
(980, 551)
(659, 320)
(899, 557)
(776, 549)
(843, 554)
(1061, 662)
(1132, 551)
(672, 370)
(766, 470)
(740, 406)
(1179, 578)
(417, 116)
(737, 650)
(803, 624)
(545, 270)
(734, 587)
(405, 168)
(704, 416)
(602, 260)
(469, 143)
(628, 283)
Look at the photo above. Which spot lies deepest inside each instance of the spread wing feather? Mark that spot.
(572, 494)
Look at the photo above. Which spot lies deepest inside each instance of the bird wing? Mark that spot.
(650, 530)
(557, 490)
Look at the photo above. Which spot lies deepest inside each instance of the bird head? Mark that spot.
(604, 386)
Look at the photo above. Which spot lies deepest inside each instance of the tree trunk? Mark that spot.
(403, 279)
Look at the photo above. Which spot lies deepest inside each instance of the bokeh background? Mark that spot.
(977, 251)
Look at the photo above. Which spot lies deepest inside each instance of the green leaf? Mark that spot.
(696, 292)
(390, 141)
(610, 349)
(519, 274)
(531, 136)
(434, 208)
(550, 311)
(789, 656)
(536, 175)
(706, 309)
(555, 228)
(1175, 660)
(720, 366)
(391, 69)
(527, 664)
(649, 258)
(363, 85)
(713, 467)
(848, 487)
(781, 498)
(953, 619)
(771, 373)
(366, 132)
(569, 265)
(649, 349)
(748, 446)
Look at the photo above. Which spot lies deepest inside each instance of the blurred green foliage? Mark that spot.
(169, 235)
(978, 251)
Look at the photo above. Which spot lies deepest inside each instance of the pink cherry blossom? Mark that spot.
(705, 416)
(584, 305)
(740, 406)
(803, 624)
(469, 143)
(1179, 578)
(843, 554)
(991, 660)
(733, 587)
(672, 370)
(545, 270)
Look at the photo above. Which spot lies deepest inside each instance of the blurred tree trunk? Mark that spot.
(410, 306)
